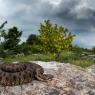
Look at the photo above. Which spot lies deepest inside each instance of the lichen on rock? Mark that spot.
(68, 80)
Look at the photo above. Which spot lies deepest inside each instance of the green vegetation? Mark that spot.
(65, 56)
(34, 57)
(11, 39)
(54, 43)
(93, 49)
(54, 38)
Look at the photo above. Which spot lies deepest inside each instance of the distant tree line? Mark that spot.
(51, 39)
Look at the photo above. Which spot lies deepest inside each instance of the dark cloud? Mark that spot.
(77, 15)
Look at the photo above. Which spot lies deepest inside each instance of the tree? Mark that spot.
(34, 44)
(1, 29)
(24, 48)
(11, 39)
(2, 54)
(54, 38)
(32, 39)
(2, 25)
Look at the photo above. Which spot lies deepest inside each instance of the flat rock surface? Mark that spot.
(68, 80)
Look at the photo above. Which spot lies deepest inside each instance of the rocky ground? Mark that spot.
(68, 80)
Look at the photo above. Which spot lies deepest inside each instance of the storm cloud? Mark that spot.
(77, 15)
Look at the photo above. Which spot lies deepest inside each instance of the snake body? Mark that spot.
(21, 73)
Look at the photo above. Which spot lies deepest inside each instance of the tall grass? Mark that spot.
(36, 57)
(65, 56)
(82, 63)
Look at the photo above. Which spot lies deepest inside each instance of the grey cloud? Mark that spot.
(77, 15)
(73, 11)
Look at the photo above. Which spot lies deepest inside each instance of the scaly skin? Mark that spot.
(21, 73)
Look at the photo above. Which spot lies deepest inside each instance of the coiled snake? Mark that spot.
(21, 73)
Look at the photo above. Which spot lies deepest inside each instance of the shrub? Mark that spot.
(93, 49)
(54, 38)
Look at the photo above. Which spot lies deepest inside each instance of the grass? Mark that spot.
(65, 56)
(37, 57)
(82, 63)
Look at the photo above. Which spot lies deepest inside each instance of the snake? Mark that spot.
(21, 73)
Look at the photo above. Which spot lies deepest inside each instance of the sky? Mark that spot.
(76, 15)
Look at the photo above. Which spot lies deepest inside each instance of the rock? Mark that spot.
(68, 80)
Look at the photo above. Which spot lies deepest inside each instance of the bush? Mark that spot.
(54, 38)
(8, 54)
(37, 49)
(93, 49)
(26, 49)
(82, 63)
(65, 56)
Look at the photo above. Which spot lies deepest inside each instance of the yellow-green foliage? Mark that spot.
(54, 38)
